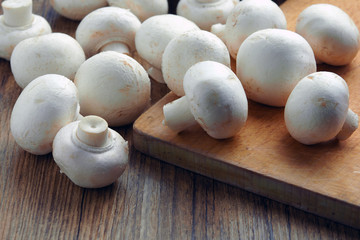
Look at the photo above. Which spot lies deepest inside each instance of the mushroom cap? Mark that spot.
(143, 9)
(156, 32)
(47, 104)
(317, 108)
(217, 99)
(205, 13)
(330, 32)
(187, 49)
(271, 62)
(86, 166)
(54, 53)
(249, 16)
(113, 86)
(11, 36)
(76, 9)
(106, 25)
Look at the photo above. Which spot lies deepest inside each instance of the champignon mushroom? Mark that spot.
(318, 109)
(206, 13)
(143, 9)
(247, 17)
(214, 97)
(330, 32)
(76, 9)
(18, 23)
(154, 35)
(54, 53)
(47, 104)
(89, 153)
(113, 86)
(271, 62)
(187, 49)
(108, 28)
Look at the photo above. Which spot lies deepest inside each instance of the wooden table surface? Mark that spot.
(151, 200)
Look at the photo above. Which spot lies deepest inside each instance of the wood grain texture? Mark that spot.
(263, 158)
(151, 200)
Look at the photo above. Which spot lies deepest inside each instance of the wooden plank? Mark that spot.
(263, 158)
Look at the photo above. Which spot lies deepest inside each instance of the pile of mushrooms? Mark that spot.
(254, 44)
(111, 88)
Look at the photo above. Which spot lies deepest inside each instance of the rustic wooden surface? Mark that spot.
(151, 200)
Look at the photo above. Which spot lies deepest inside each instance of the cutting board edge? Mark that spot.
(331, 208)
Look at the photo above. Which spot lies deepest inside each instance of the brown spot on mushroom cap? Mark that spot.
(126, 63)
(126, 89)
(97, 34)
(322, 102)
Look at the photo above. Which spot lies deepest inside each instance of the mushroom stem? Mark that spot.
(177, 115)
(117, 47)
(93, 131)
(17, 13)
(156, 74)
(350, 125)
(219, 30)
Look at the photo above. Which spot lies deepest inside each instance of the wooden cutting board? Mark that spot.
(263, 158)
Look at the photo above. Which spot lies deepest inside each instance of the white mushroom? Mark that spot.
(187, 49)
(54, 53)
(154, 35)
(330, 32)
(271, 62)
(109, 28)
(247, 17)
(317, 109)
(206, 13)
(143, 9)
(113, 86)
(89, 153)
(47, 104)
(18, 23)
(76, 9)
(214, 98)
